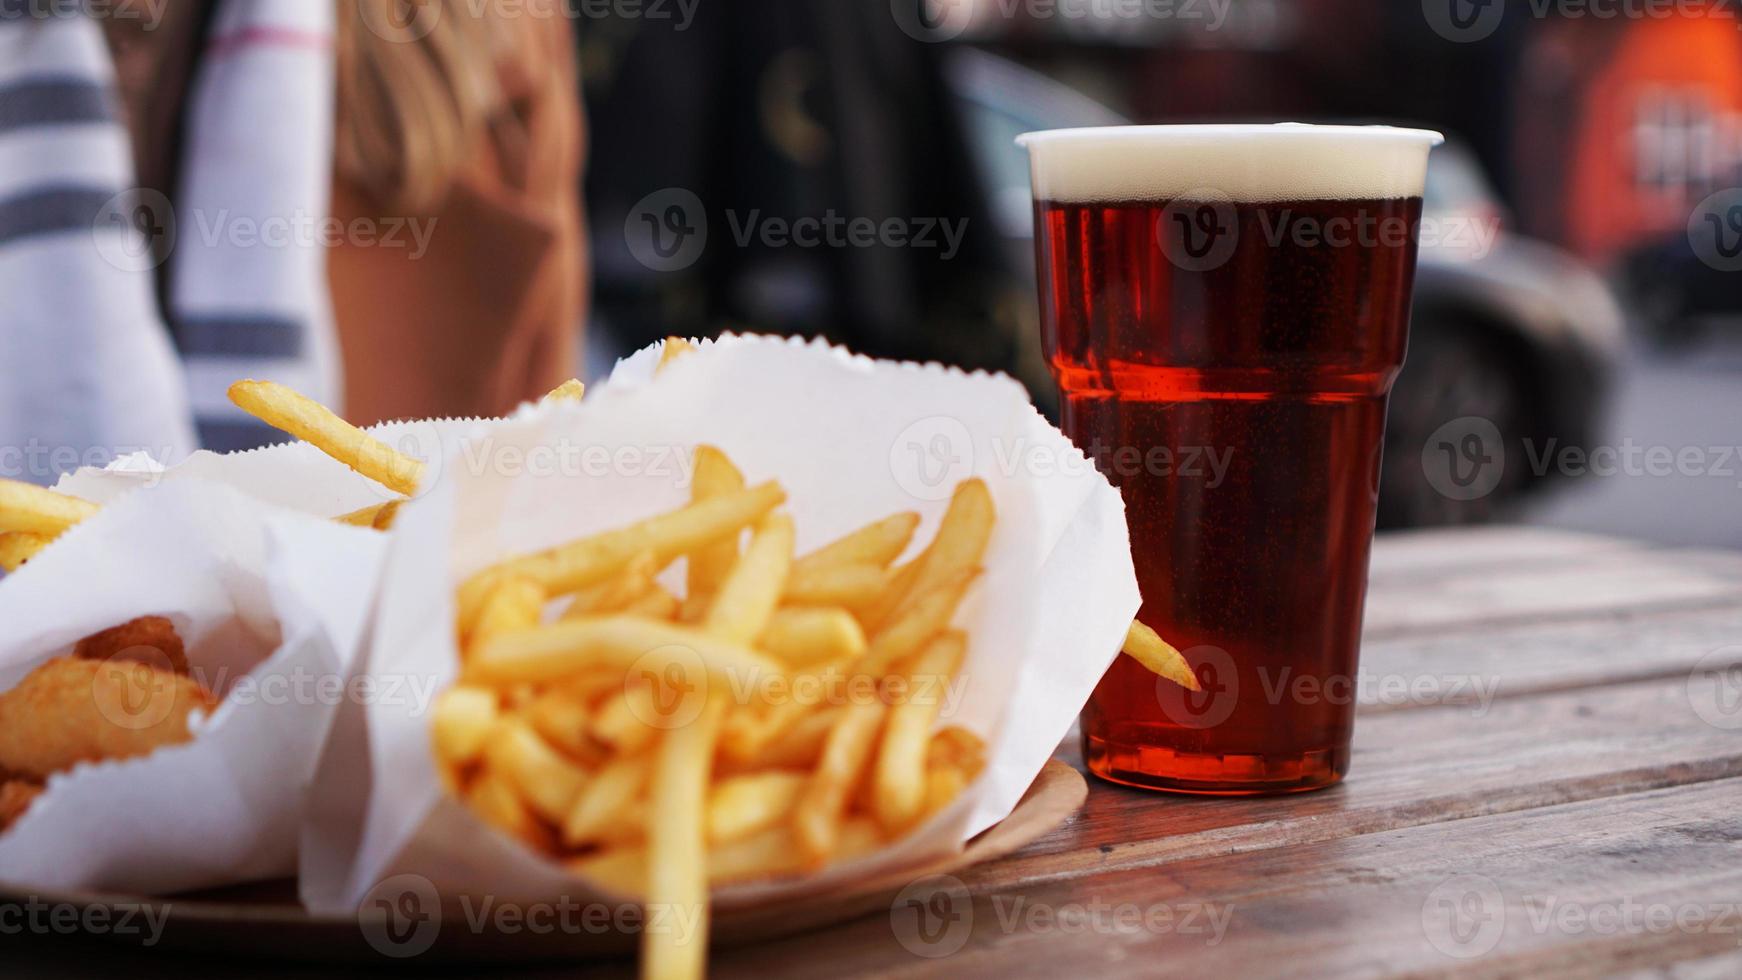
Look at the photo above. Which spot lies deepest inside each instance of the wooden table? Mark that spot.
(1547, 782)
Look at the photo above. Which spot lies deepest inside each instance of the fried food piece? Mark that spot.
(149, 640)
(16, 796)
(70, 711)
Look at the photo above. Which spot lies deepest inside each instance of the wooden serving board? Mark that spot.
(264, 921)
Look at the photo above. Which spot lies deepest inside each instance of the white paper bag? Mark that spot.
(272, 606)
(852, 440)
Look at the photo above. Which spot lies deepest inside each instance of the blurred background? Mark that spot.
(846, 169)
(1590, 318)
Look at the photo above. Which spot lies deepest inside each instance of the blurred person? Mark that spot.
(375, 201)
(816, 117)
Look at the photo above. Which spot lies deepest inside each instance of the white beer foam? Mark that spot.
(1258, 163)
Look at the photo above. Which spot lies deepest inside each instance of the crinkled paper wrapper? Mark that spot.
(272, 606)
(851, 440)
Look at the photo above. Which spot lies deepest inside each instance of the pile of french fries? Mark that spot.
(776, 718)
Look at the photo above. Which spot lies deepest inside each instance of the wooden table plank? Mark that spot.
(1464, 664)
(1371, 905)
(1597, 586)
(1410, 768)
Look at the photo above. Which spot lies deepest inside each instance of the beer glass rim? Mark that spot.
(1192, 132)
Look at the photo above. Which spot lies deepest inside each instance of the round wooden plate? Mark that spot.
(264, 921)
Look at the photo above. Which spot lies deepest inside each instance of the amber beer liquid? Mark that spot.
(1225, 310)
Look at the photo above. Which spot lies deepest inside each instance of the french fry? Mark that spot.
(846, 756)
(798, 746)
(464, 719)
(807, 635)
(549, 653)
(960, 544)
(715, 476)
(905, 635)
(515, 604)
(899, 776)
(564, 569)
(563, 717)
(19, 547)
(655, 603)
(770, 853)
(1158, 656)
(876, 613)
(875, 544)
(852, 586)
(958, 747)
(618, 592)
(675, 347)
(496, 800)
(547, 781)
(742, 805)
(380, 517)
(677, 874)
(613, 788)
(314, 423)
(751, 591)
(30, 509)
(622, 721)
(571, 390)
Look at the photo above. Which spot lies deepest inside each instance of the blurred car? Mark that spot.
(1505, 328)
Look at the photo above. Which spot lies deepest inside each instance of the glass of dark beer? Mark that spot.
(1225, 309)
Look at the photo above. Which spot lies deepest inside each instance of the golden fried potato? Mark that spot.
(70, 711)
(150, 640)
(16, 796)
